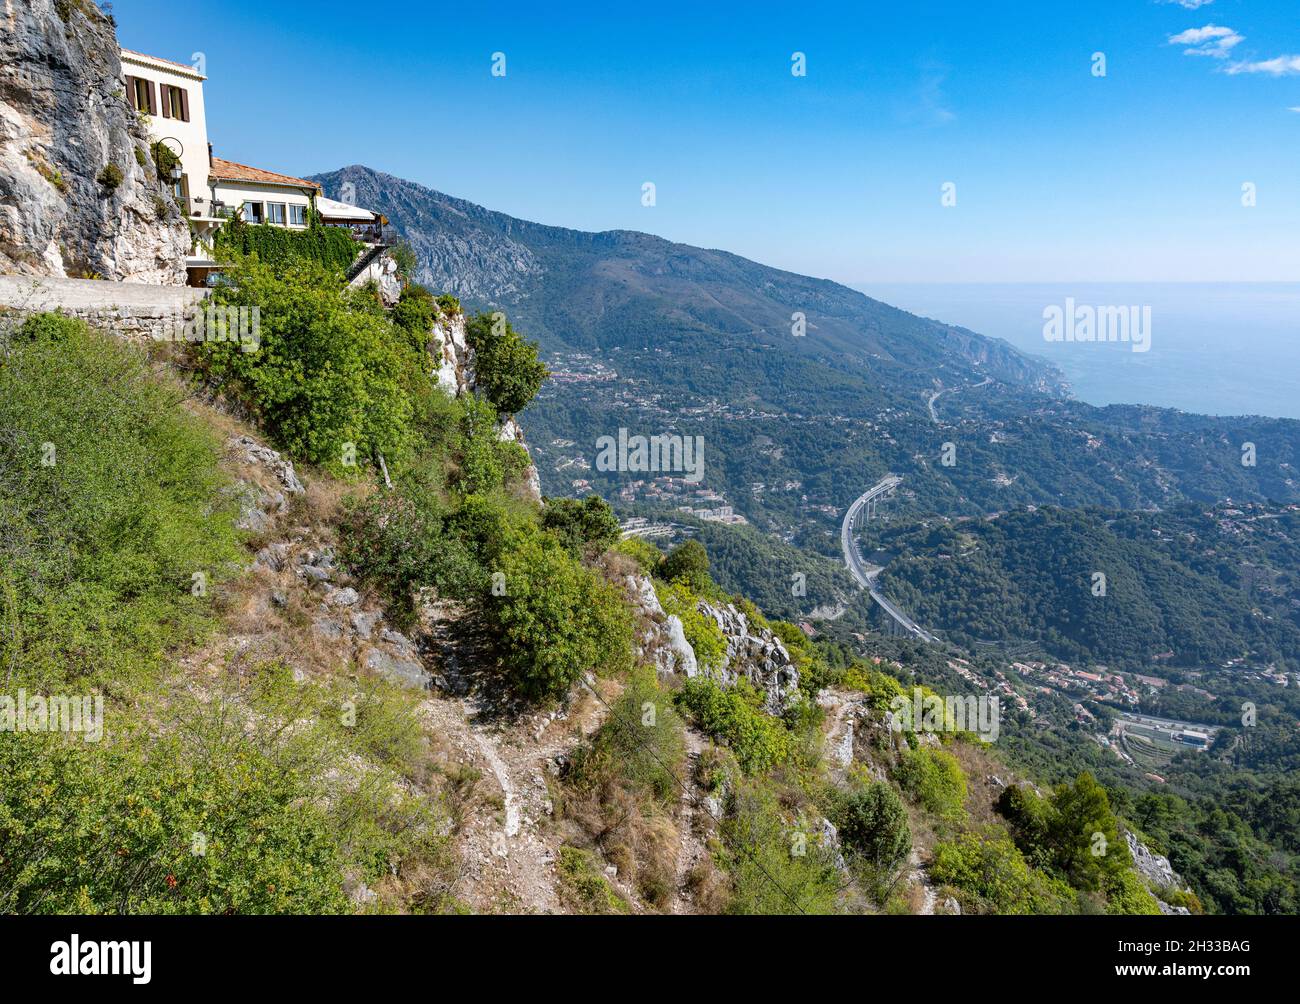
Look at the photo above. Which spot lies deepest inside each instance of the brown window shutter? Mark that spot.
(166, 100)
(153, 97)
(185, 104)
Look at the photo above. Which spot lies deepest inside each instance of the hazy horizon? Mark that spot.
(1216, 348)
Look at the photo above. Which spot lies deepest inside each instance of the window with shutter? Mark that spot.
(166, 100)
(185, 104)
(152, 95)
(140, 93)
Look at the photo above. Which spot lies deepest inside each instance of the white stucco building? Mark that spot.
(210, 189)
(170, 98)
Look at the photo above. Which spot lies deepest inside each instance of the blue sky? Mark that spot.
(1059, 174)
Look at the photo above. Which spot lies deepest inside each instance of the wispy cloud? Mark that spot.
(933, 100)
(1213, 40)
(1218, 42)
(1279, 66)
(928, 103)
(1189, 4)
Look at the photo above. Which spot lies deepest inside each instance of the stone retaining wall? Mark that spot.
(131, 310)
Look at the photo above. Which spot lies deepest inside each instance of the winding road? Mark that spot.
(934, 415)
(857, 567)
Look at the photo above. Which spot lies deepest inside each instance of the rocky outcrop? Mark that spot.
(756, 654)
(261, 503)
(379, 269)
(1158, 873)
(303, 568)
(454, 370)
(79, 195)
(661, 639)
(451, 354)
(1155, 868)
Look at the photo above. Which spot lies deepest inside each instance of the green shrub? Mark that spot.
(933, 778)
(414, 315)
(688, 563)
(111, 502)
(874, 832)
(515, 462)
(489, 526)
(1127, 894)
(774, 868)
(556, 620)
(330, 371)
(879, 687)
(1083, 834)
(734, 716)
(487, 463)
(587, 527)
(165, 159)
(110, 828)
(1028, 815)
(1074, 833)
(404, 258)
(506, 366)
(399, 542)
(212, 805)
(641, 743)
(584, 887)
(995, 877)
(110, 177)
(483, 466)
(645, 554)
(1181, 897)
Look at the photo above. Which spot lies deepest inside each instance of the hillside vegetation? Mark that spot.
(275, 774)
(1200, 584)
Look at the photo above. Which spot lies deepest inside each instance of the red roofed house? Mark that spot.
(261, 196)
(210, 189)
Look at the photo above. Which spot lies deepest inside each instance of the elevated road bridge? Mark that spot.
(865, 507)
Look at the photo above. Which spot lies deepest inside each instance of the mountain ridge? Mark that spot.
(642, 331)
(598, 289)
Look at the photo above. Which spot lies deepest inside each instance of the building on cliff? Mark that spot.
(169, 98)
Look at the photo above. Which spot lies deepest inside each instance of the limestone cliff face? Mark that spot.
(63, 121)
(454, 370)
(753, 652)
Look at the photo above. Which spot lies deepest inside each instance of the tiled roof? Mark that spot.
(228, 170)
(131, 53)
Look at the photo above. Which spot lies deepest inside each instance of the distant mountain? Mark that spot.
(619, 288)
(660, 337)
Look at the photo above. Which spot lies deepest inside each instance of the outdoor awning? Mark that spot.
(342, 212)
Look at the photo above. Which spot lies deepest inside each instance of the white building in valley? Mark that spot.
(210, 189)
